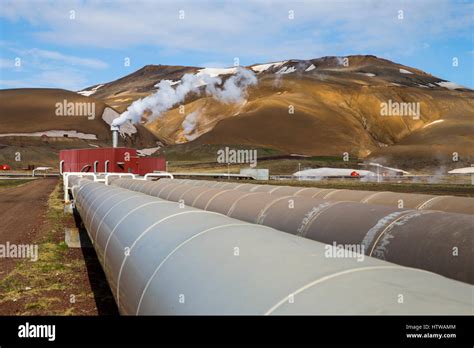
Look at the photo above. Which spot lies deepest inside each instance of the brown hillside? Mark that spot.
(337, 105)
(33, 110)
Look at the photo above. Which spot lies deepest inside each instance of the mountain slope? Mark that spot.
(121, 92)
(30, 126)
(337, 108)
(325, 106)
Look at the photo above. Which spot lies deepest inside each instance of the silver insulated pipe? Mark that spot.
(115, 135)
(449, 204)
(435, 241)
(164, 258)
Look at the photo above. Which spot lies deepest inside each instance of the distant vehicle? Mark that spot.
(4, 167)
(354, 173)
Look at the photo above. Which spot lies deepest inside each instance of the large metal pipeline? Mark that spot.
(450, 204)
(436, 241)
(161, 257)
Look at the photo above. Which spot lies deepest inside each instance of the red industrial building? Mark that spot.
(109, 160)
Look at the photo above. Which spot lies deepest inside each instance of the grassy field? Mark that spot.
(277, 166)
(203, 158)
(6, 183)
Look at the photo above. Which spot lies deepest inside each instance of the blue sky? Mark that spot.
(74, 44)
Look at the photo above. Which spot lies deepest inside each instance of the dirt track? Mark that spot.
(22, 209)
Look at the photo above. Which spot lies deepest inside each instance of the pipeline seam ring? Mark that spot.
(334, 275)
(234, 205)
(317, 215)
(92, 203)
(214, 197)
(261, 216)
(145, 232)
(176, 249)
(390, 226)
(110, 209)
(127, 215)
(366, 199)
(105, 200)
(424, 204)
(330, 193)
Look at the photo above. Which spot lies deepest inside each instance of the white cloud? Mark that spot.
(72, 60)
(59, 78)
(255, 31)
(45, 68)
(45, 56)
(7, 63)
(256, 28)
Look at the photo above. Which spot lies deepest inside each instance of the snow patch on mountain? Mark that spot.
(449, 85)
(432, 123)
(54, 134)
(263, 67)
(171, 82)
(110, 114)
(210, 72)
(89, 92)
(148, 151)
(213, 72)
(286, 70)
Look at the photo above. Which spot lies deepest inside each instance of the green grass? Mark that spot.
(7, 183)
(190, 157)
(190, 152)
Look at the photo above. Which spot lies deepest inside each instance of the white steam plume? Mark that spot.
(234, 88)
(190, 122)
(233, 91)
